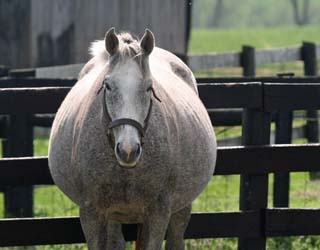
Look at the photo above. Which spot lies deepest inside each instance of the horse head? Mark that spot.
(128, 93)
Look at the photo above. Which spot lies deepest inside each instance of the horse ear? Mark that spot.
(147, 42)
(111, 41)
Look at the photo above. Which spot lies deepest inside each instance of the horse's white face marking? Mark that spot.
(127, 96)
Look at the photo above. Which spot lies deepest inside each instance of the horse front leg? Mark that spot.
(177, 226)
(100, 233)
(115, 240)
(94, 226)
(153, 229)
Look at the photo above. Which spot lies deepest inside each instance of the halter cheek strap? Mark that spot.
(125, 121)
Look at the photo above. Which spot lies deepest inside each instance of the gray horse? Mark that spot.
(132, 143)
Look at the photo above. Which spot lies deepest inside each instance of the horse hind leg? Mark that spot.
(177, 226)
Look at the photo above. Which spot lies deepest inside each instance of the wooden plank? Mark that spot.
(248, 62)
(18, 200)
(232, 59)
(7, 82)
(63, 71)
(281, 181)
(57, 27)
(15, 35)
(45, 120)
(225, 117)
(309, 56)
(31, 100)
(268, 159)
(318, 50)
(66, 230)
(231, 95)
(28, 72)
(278, 96)
(254, 160)
(25, 171)
(292, 222)
(254, 188)
(208, 61)
(304, 79)
(293, 96)
(40, 231)
(35, 82)
(279, 55)
(227, 224)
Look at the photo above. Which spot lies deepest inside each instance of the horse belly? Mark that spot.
(195, 155)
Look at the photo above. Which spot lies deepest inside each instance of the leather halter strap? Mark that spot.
(125, 121)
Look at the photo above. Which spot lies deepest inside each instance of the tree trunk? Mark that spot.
(302, 18)
(306, 12)
(217, 13)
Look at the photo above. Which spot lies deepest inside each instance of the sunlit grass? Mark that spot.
(222, 40)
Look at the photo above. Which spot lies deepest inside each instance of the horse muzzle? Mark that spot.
(127, 154)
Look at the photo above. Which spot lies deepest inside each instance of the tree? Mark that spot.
(301, 17)
(217, 14)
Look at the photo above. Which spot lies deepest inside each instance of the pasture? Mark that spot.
(222, 193)
(222, 40)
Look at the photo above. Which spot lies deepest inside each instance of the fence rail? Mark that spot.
(202, 61)
(265, 96)
(231, 160)
(256, 223)
(195, 61)
(233, 59)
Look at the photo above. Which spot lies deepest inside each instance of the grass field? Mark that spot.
(206, 41)
(222, 40)
(222, 193)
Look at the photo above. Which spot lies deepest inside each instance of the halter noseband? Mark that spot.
(125, 121)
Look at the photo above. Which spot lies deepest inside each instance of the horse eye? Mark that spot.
(107, 85)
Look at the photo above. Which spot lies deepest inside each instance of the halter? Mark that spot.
(125, 121)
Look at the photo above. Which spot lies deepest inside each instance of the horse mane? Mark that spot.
(129, 47)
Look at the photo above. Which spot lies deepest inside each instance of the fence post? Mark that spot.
(281, 184)
(282, 180)
(4, 71)
(248, 61)
(18, 142)
(309, 57)
(254, 188)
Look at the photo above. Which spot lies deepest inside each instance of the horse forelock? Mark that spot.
(129, 48)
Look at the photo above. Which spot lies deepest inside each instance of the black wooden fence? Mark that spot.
(253, 224)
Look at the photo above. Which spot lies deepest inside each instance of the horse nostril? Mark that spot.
(118, 151)
(127, 155)
(138, 151)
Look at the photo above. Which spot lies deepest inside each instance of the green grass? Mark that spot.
(222, 40)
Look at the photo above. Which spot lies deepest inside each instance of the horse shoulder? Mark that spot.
(177, 66)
